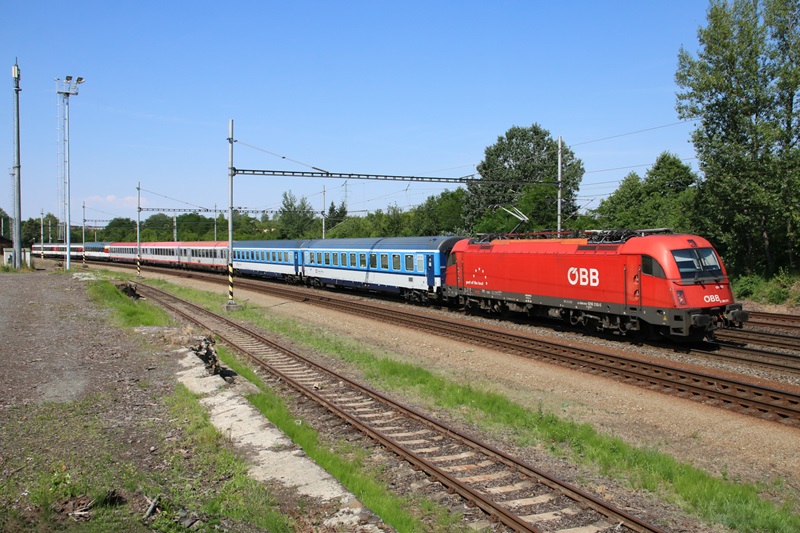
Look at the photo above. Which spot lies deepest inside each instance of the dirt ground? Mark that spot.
(57, 347)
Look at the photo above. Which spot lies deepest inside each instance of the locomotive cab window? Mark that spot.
(697, 263)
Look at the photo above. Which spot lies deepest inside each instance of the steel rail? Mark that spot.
(773, 320)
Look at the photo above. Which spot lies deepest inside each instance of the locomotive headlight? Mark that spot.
(681, 297)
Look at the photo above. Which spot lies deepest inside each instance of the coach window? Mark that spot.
(410, 263)
(362, 260)
(385, 261)
(335, 259)
(395, 261)
(327, 258)
(420, 263)
(373, 260)
(651, 267)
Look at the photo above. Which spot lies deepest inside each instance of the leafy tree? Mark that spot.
(351, 227)
(664, 198)
(120, 230)
(295, 218)
(521, 169)
(440, 215)
(335, 214)
(157, 228)
(6, 224)
(194, 227)
(743, 87)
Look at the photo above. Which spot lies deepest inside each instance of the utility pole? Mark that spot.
(559, 184)
(138, 234)
(41, 234)
(231, 305)
(17, 169)
(83, 235)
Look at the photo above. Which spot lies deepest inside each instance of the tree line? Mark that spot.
(743, 89)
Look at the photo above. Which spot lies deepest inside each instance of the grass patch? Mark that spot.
(80, 459)
(718, 500)
(232, 493)
(127, 312)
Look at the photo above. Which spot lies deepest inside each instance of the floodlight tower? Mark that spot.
(66, 88)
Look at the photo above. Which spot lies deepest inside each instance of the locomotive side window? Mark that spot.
(652, 267)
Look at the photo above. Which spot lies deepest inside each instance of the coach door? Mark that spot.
(430, 273)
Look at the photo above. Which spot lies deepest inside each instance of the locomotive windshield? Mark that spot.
(698, 263)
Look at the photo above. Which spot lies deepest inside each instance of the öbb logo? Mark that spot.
(712, 298)
(583, 276)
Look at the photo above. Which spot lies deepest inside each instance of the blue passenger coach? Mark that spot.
(411, 266)
(269, 259)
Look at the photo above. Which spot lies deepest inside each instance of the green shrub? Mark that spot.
(747, 286)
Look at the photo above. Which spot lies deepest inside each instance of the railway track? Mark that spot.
(746, 398)
(790, 343)
(739, 396)
(730, 351)
(774, 321)
(516, 494)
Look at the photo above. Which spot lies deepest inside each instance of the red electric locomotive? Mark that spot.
(642, 281)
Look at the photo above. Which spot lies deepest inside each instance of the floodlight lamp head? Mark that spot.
(79, 80)
(68, 78)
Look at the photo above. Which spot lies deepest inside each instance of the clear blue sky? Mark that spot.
(379, 87)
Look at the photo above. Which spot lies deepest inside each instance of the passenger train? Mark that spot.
(643, 282)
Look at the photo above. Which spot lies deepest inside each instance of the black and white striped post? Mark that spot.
(231, 305)
(138, 230)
